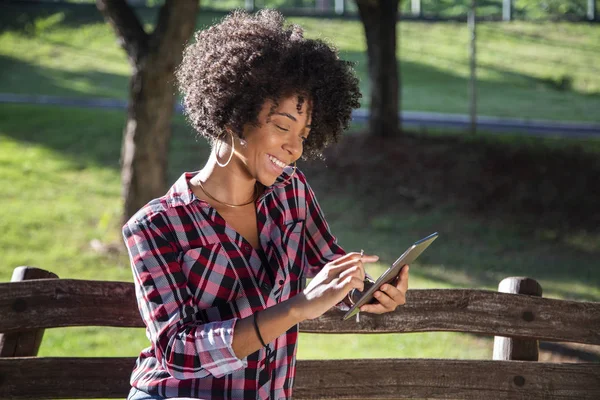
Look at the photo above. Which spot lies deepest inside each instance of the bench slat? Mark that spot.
(67, 302)
(446, 379)
(51, 303)
(49, 378)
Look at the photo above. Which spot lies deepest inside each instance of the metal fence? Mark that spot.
(575, 10)
(555, 10)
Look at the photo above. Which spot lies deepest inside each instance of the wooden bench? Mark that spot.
(37, 299)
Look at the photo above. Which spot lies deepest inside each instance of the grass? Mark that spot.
(526, 69)
(61, 180)
(61, 190)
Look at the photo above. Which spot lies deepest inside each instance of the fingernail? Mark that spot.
(384, 287)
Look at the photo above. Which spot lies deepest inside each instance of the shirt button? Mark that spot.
(281, 281)
(247, 248)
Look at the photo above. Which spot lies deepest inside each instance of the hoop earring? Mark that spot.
(289, 179)
(219, 149)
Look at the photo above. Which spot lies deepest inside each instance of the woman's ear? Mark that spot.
(242, 141)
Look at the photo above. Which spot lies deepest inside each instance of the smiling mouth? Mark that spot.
(277, 161)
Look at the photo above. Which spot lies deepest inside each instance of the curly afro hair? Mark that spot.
(233, 67)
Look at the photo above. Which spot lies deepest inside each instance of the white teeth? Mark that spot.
(277, 162)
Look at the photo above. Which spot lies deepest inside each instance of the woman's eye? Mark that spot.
(281, 128)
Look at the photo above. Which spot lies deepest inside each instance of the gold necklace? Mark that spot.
(229, 204)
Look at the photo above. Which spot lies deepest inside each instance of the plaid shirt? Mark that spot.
(195, 276)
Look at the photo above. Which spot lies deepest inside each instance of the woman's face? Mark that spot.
(277, 140)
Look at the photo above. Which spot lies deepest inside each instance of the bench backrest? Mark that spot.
(29, 306)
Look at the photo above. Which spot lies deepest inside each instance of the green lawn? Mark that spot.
(61, 190)
(526, 69)
(61, 180)
(59, 167)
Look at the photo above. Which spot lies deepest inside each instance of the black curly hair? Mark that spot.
(233, 67)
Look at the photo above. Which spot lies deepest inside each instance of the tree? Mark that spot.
(153, 57)
(379, 19)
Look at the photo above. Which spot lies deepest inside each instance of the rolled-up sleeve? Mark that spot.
(186, 346)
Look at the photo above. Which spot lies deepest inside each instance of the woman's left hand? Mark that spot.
(389, 296)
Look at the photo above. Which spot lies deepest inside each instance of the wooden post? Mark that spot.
(507, 10)
(518, 349)
(25, 343)
(340, 7)
(473, 66)
(415, 8)
(591, 10)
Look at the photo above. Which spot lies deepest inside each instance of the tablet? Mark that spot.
(392, 272)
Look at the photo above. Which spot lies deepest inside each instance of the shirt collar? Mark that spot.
(282, 180)
(180, 193)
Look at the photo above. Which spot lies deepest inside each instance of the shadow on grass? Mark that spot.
(519, 34)
(494, 203)
(92, 136)
(23, 17)
(17, 76)
(425, 88)
(361, 198)
(500, 176)
(562, 83)
(502, 209)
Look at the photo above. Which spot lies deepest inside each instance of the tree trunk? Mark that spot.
(379, 19)
(146, 137)
(153, 58)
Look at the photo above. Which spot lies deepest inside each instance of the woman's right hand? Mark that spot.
(331, 285)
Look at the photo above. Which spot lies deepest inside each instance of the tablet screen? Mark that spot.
(392, 272)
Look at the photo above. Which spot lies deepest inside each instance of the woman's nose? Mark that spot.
(293, 145)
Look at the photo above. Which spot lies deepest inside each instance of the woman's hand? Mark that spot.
(332, 284)
(390, 296)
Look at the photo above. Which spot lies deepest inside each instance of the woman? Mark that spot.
(220, 261)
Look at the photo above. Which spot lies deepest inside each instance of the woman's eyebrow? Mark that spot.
(290, 116)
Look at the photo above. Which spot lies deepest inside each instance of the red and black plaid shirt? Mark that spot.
(195, 276)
